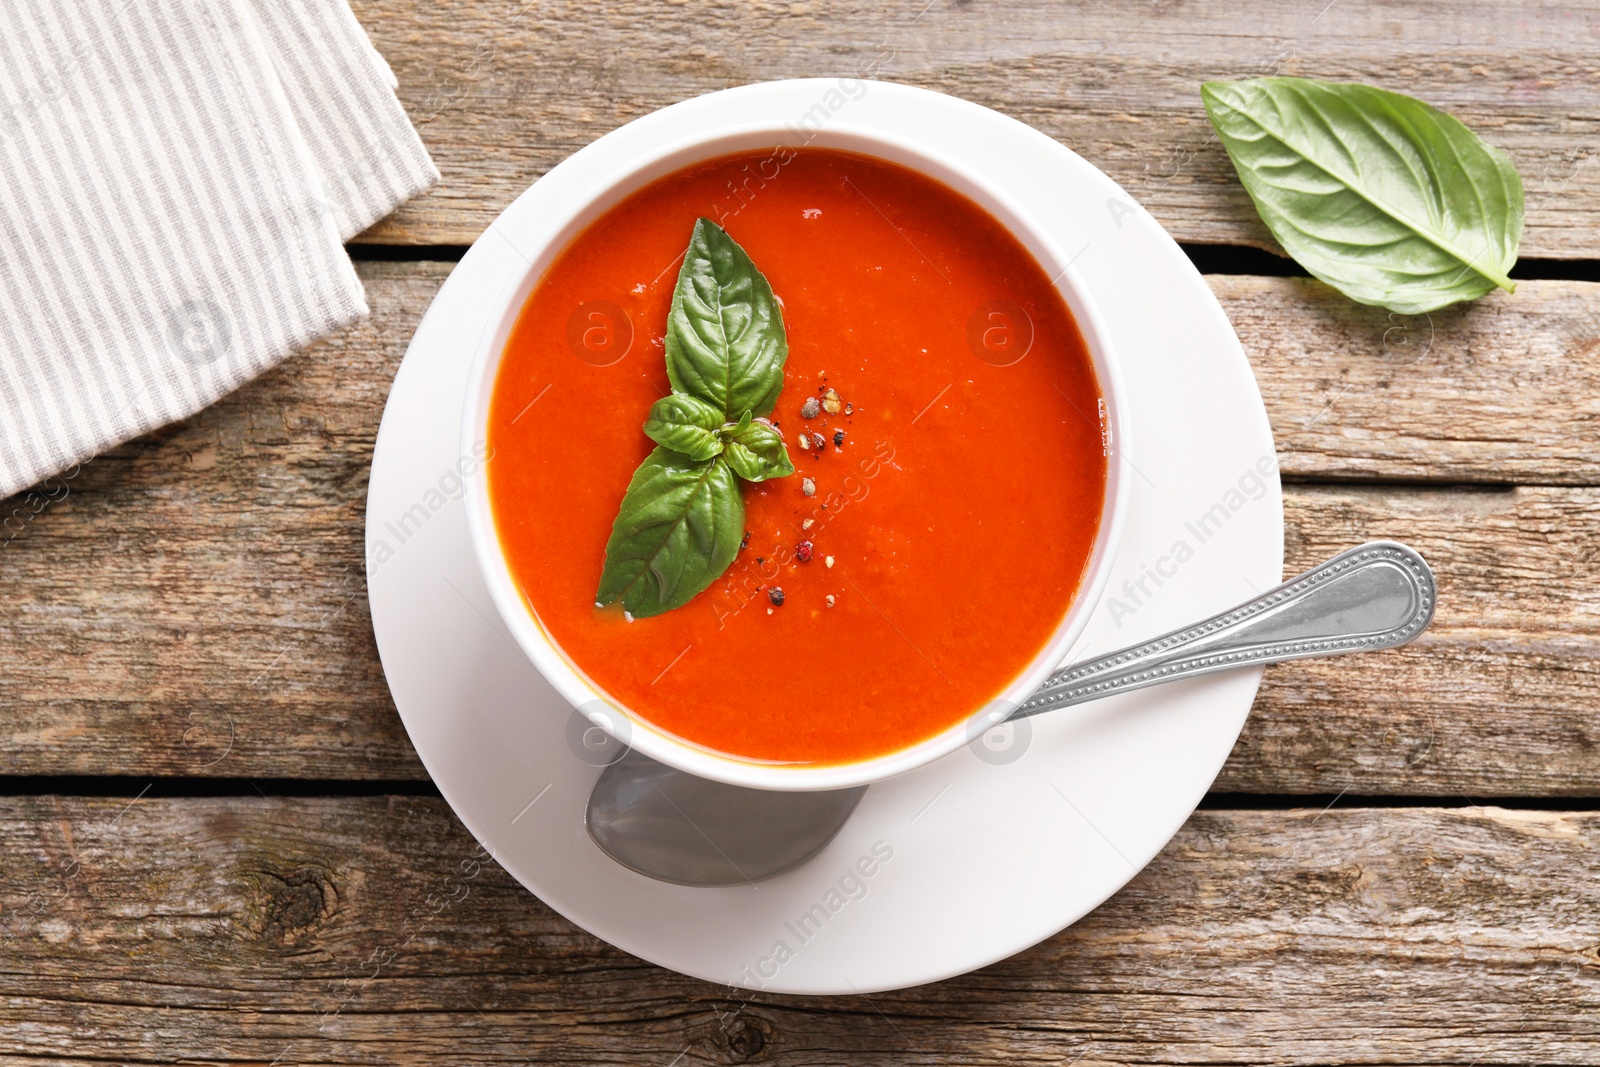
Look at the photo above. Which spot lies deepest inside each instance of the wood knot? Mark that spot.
(742, 1038)
(287, 909)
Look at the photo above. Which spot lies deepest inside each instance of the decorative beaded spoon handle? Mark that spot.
(1376, 596)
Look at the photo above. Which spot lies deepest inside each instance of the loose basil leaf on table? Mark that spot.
(677, 531)
(1390, 201)
(685, 424)
(725, 337)
(755, 450)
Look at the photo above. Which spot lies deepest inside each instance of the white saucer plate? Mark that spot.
(963, 862)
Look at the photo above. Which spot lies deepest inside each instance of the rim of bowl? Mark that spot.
(589, 699)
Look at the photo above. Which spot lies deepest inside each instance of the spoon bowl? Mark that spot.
(677, 828)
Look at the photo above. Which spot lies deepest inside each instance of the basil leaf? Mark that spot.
(1388, 200)
(685, 424)
(678, 529)
(725, 339)
(756, 452)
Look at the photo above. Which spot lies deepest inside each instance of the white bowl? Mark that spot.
(543, 240)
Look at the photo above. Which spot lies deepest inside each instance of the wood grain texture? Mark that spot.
(225, 629)
(1497, 698)
(504, 90)
(1497, 391)
(366, 931)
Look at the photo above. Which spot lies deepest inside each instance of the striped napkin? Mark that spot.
(177, 180)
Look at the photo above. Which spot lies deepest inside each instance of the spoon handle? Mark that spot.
(1379, 595)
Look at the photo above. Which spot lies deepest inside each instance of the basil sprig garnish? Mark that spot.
(682, 518)
(1390, 201)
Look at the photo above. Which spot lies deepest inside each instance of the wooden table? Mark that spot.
(217, 845)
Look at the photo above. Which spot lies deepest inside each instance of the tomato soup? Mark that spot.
(958, 484)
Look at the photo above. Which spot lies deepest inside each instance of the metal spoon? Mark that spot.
(678, 828)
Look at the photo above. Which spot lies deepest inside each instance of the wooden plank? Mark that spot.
(1497, 698)
(503, 91)
(1501, 390)
(226, 632)
(354, 931)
